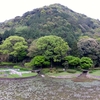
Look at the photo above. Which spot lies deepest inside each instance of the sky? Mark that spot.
(12, 8)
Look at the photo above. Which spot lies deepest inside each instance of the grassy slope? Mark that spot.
(96, 72)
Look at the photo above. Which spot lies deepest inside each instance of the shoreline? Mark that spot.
(75, 76)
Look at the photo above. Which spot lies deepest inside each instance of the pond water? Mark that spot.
(39, 88)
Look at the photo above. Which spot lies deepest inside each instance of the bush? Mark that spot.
(59, 70)
(79, 68)
(28, 65)
(45, 70)
(7, 64)
(24, 69)
(71, 71)
(53, 70)
(16, 67)
(72, 61)
(21, 68)
(86, 63)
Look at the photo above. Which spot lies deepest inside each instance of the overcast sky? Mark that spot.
(11, 8)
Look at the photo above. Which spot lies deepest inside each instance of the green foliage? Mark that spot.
(68, 58)
(16, 67)
(86, 62)
(15, 46)
(7, 64)
(89, 47)
(45, 70)
(73, 61)
(53, 70)
(84, 37)
(51, 47)
(59, 70)
(71, 71)
(39, 61)
(21, 68)
(28, 65)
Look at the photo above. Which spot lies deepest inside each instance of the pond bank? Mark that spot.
(87, 77)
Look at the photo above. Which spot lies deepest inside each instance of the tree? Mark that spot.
(86, 62)
(39, 61)
(14, 46)
(72, 61)
(33, 49)
(89, 47)
(53, 48)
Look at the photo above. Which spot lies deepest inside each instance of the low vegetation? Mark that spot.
(95, 72)
(15, 73)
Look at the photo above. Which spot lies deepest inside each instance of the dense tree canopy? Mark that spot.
(14, 46)
(86, 62)
(89, 47)
(51, 47)
(72, 61)
(39, 61)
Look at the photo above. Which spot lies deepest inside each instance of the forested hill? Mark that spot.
(55, 19)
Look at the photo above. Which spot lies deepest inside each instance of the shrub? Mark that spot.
(21, 68)
(53, 70)
(86, 63)
(7, 64)
(71, 71)
(28, 65)
(72, 61)
(16, 67)
(45, 70)
(59, 70)
(79, 68)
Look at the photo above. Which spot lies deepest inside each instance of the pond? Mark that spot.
(44, 88)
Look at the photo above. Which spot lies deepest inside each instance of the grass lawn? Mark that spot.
(23, 75)
(96, 72)
(7, 63)
(29, 74)
(5, 73)
(62, 73)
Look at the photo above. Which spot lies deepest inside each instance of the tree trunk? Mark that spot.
(51, 64)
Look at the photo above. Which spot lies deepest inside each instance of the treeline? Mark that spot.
(50, 51)
(31, 33)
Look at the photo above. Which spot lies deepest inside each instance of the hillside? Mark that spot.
(55, 19)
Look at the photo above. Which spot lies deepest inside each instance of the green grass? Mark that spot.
(7, 63)
(29, 74)
(62, 73)
(7, 74)
(17, 76)
(96, 72)
(3, 68)
(13, 76)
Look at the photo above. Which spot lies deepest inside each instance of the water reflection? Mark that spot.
(48, 89)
